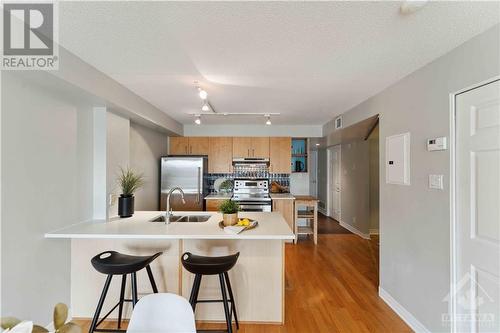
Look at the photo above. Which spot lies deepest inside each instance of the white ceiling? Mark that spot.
(308, 61)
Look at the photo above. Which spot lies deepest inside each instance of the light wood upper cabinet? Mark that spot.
(260, 147)
(220, 154)
(251, 147)
(183, 145)
(198, 145)
(242, 147)
(178, 145)
(280, 154)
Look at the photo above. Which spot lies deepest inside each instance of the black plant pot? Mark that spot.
(125, 205)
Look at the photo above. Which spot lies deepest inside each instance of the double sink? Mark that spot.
(183, 218)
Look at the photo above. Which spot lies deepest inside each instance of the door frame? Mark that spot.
(452, 307)
(330, 186)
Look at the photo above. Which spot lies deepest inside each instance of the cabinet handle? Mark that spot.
(190, 149)
(253, 152)
(248, 152)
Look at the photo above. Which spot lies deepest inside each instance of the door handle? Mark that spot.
(199, 188)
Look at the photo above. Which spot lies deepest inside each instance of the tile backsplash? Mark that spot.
(281, 178)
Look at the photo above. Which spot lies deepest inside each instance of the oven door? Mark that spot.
(255, 206)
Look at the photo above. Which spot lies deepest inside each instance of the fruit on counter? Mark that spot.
(244, 222)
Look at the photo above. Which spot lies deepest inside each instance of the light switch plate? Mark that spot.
(436, 182)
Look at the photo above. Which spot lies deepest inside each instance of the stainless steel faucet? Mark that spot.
(168, 211)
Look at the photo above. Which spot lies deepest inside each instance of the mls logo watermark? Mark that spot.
(30, 36)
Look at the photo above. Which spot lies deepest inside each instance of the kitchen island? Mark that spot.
(257, 278)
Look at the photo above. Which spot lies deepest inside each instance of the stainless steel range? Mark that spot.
(252, 195)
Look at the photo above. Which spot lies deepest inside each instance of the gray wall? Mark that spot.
(415, 221)
(354, 180)
(146, 148)
(373, 147)
(46, 184)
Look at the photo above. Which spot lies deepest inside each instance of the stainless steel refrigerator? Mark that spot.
(189, 173)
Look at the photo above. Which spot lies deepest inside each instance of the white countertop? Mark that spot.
(219, 196)
(271, 226)
(277, 196)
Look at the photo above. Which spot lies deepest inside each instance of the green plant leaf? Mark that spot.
(70, 328)
(8, 322)
(130, 181)
(39, 329)
(60, 315)
(229, 207)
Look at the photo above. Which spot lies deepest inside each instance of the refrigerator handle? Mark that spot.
(199, 189)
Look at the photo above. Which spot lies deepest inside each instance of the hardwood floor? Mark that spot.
(327, 225)
(331, 287)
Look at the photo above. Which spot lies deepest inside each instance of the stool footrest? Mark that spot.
(212, 300)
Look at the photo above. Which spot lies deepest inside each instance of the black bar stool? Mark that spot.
(200, 265)
(115, 263)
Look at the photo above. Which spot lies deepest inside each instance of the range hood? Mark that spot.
(250, 160)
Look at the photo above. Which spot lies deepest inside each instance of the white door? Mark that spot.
(477, 193)
(334, 186)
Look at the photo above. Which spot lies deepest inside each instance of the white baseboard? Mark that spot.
(402, 312)
(374, 232)
(354, 230)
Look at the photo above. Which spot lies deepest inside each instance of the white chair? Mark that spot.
(162, 313)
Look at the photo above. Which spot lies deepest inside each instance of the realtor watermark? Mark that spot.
(30, 36)
(473, 305)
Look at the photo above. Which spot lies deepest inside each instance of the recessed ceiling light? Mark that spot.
(411, 6)
(317, 144)
(203, 94)
(197, 121)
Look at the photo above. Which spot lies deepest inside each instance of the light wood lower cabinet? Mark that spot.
(213, 204)
(287, 209)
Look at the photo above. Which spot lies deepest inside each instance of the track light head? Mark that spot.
(197, 121)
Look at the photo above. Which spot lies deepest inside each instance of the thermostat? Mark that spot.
(436, 144)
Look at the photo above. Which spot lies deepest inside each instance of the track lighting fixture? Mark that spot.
(268, 121)
(205, 106)
(203, 94)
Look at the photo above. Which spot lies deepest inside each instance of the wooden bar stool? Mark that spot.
(306, 207)
(115, 263)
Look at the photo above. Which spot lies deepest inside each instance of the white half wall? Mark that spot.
(117, 156)
(146, 148)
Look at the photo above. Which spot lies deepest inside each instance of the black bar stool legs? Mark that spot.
(229, 318)
(115, 263)
(200, 266)
(233, 307)
(101, 302)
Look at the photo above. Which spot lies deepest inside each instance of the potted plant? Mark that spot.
(229, 210)
(129, 182)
